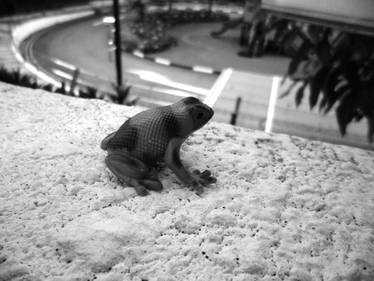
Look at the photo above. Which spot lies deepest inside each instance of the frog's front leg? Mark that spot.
(133, 171)
(173, 161)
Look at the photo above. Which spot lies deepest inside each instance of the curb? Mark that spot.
(194, 68)
(167, 62)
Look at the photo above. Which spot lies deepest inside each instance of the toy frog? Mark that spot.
(153, 137)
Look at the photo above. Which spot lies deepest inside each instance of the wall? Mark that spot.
(283, 208)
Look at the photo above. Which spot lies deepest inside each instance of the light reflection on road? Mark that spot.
(151, 76)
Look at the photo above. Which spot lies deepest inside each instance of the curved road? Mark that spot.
(83, 43)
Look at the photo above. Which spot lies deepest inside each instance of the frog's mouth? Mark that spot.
(202, 113)
(209, 111)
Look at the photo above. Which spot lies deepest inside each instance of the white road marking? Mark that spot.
(138, 54)
(163, 80)
(17, 54)
(41, 74)
(62, 74)
(162, 61)
(272, 102)
(218, 86)
(64, 64)
(203, 69)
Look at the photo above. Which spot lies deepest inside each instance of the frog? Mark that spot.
(151, 140)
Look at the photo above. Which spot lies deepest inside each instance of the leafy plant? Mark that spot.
(151, 32)
(338, 69)
(16, 77)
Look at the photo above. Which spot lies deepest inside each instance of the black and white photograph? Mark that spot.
(185, 140)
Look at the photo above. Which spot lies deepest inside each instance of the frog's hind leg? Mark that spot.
(133, 171)
(124, 165)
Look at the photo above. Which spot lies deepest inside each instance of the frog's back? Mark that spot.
(147, 134)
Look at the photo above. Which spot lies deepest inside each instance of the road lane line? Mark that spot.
(203, 69)
(272, 102)
(162, 61)
(62, 74)
(218, 87)
(138, 54)
(64, 64)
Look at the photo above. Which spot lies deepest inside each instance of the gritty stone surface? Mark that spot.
(283, 208)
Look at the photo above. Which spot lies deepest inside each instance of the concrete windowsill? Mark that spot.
(282, 208)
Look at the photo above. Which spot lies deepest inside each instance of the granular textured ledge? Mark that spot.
(283, 208)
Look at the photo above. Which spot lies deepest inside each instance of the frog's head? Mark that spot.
(198, 113)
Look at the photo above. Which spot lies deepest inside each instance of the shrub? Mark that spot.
(150, 36)
(150, 33)
(338, 69)
(16, 77)
(188, 16)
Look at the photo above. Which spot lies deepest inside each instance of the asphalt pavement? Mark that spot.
(84, 44)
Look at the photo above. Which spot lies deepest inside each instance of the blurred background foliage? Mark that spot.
(335, 68)
(150, 30)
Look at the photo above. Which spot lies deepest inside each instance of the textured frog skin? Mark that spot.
(154, 136)
(147, 134)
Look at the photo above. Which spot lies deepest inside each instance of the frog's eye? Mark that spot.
(200, 115)
(190, 100)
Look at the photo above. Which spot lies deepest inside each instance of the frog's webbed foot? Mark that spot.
(133, 172)
(195, 179)
(142, 186)
(202, 179)
(155, 185)
(152, 182)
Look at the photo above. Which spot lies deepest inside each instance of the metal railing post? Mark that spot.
(74, 81)
(117, 42)
(235, 114)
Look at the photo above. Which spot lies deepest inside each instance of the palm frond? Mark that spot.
(300, 94)
(345, 112)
